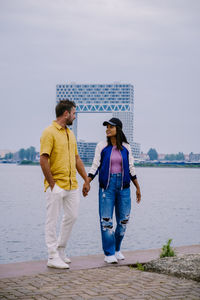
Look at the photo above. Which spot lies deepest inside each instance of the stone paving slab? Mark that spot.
(88, 262)
(106, 283)
(90, 278)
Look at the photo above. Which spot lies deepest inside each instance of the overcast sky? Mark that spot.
(152, 44)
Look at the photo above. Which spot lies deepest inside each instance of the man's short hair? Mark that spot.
(64, 105)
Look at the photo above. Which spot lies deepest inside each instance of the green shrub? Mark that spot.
(167, 250)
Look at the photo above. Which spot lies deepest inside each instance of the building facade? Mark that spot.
(117, 99)
(194, 157)
(86, 151)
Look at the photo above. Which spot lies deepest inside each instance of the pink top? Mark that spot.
(116, 161)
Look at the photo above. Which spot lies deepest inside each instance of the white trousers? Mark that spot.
(58, 199)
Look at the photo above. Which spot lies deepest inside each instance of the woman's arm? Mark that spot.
(138, 193)
(133, 175)
(96, 161)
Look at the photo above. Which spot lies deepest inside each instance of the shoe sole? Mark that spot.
(67, 262)
(113, 262)
(56, 267)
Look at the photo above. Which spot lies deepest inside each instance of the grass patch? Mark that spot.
(137, 266)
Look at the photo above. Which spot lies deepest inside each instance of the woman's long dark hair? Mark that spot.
(120, 138)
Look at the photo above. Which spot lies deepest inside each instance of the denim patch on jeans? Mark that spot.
(113, 197)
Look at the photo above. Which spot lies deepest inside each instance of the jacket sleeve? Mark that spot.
(131, 164)
(96, 161)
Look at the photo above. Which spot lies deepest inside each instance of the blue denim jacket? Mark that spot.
(102, 164)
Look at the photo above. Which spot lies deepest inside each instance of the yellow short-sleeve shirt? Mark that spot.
(62, 149)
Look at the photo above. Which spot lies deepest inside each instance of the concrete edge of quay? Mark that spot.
(88, 262)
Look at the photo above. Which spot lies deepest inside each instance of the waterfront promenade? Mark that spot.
(90, 278)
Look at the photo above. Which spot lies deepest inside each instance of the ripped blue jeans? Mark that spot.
(113, 197)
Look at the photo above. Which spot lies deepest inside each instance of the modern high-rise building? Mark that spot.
(115, 98)
(86, 151)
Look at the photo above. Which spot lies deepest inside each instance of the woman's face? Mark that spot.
(111, 130)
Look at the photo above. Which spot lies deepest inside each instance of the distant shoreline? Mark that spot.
(137, 164)
(168, 165)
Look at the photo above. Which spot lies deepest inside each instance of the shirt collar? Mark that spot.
(54, 123)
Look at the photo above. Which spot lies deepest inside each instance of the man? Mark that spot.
(59, 161)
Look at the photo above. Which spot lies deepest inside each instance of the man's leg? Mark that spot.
(53, 207)
(70, 202)
(54, 201)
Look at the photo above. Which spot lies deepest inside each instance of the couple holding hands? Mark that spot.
(60, 161)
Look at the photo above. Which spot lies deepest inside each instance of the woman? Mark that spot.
(115, 164)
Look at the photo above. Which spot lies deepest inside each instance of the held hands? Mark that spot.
(86, 188)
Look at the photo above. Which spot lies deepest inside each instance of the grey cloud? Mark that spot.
(151, 44)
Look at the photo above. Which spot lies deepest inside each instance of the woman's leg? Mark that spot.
(122, 212)
(106, 206)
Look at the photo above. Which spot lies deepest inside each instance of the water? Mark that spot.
(170, 208)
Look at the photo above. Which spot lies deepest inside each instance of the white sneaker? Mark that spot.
(119, 255)
(110, 259)
(66, 259)
(62, 255)
(57, 262)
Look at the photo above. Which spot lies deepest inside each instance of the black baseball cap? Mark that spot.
(114, 122)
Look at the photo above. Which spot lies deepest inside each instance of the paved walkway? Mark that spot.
(99, 282)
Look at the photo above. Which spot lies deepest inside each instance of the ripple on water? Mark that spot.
(169, 209)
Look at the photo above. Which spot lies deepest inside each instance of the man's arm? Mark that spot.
(81, 170)
(44, 163)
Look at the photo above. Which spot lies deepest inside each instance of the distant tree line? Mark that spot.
(23, 154)
(9, 156)
(29, 154)
(178, 156)
(153, 155)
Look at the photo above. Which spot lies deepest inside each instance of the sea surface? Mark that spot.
(170, 208)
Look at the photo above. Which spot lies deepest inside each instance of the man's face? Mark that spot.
(71, 116)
